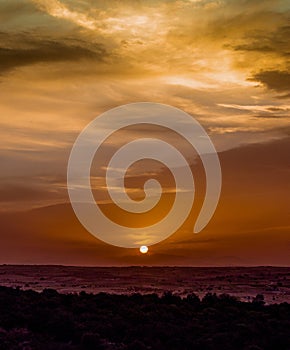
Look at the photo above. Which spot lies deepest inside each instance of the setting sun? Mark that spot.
(143, 249)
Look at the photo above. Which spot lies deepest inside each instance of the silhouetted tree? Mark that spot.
(54, 321)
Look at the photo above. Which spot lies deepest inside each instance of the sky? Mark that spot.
(225, 62)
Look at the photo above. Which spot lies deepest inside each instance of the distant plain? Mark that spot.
(242, 282)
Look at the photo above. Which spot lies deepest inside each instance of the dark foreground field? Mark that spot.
(50, 320)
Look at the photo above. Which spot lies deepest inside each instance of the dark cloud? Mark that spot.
(276, 109)
(45, 51)
(269, 116)
(16, 8)
(274, 79)
(283, 96)
(43, 188)
(266, 46)
(12, 193)
(274, 113)
(271, 42)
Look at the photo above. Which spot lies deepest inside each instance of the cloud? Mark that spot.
(174, 52)
(270, 116)
(275, 41)
(16, 8)
(257, 108)
(45, 51)
(57, 9)
(21, 193)
(274, 79)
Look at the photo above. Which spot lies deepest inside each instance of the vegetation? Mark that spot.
(49, 320)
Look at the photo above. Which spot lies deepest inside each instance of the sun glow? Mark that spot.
(143, 249)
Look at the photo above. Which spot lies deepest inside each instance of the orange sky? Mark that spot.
(226, 63)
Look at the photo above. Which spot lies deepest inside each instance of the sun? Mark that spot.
(143, 249)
